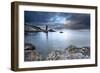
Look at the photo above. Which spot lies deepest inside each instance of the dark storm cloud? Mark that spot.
(58, 19)
(79, 21)
(36, 16)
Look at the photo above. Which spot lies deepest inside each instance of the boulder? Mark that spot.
(30, 53)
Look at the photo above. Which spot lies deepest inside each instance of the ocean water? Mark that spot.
(46, 42)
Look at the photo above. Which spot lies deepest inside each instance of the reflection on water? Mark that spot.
(46, 42)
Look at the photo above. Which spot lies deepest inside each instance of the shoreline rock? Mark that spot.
(30, 53)
(72, 52)
(69, 53)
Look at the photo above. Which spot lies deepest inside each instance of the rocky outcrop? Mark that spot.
(30, 53)
(55, 55)
(71, 52)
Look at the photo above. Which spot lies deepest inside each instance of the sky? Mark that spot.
(57, 20)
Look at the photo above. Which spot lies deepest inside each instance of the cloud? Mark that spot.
(58, 19)
(78, 21)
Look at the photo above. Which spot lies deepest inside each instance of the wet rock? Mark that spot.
(85, 51)
(72, 52)
(54, 55)
(30, 53)
(76, 56)
(29, 46)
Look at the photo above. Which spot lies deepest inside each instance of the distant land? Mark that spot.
(32, 28)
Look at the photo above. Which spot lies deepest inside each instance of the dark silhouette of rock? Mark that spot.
(61, 32)
(51, 30)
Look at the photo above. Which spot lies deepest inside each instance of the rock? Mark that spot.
(54, 55)
(51, 30)
(70, 53)
(76, 56)
(30, 53)
(29, 46)
(61, 32)
(86, 51)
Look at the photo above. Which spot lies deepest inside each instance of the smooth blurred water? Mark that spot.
(46, 42)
